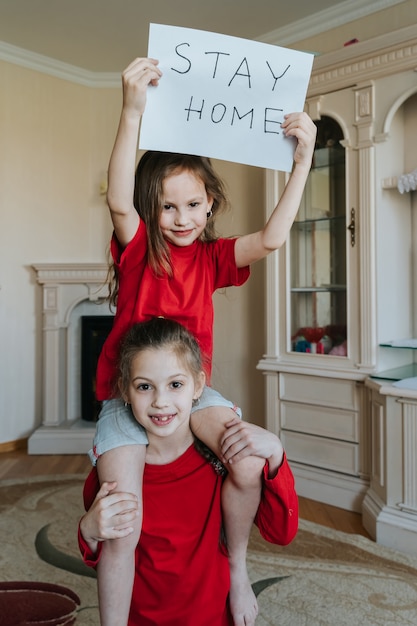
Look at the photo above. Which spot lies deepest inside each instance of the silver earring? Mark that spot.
(127, 404)
(209, 214)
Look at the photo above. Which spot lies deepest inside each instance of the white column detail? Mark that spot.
(410, 457)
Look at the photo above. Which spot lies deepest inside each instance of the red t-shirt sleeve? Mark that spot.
(226, 271)
(91, 559)
(277, 516)
(134, 251)
(91, 488)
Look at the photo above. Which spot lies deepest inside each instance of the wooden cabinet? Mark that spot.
(390, 505)
(314, 424)
(318, 418)
(347, 278)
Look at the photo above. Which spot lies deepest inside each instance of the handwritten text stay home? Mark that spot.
(224, 68)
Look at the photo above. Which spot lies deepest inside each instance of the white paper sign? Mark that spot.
(223, 97)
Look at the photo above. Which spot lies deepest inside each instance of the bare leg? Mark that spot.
(116, 569)
(241, 495)
(240, 500)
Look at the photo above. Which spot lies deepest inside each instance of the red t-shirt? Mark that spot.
(186, 297)
(182, 571)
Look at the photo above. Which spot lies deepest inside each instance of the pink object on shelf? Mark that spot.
(340, 350)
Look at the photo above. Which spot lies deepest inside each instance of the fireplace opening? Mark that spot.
(94, 331)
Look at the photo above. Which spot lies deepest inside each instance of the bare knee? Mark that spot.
(209, 425)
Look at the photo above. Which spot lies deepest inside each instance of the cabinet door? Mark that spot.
(317, 245)
(313, 285)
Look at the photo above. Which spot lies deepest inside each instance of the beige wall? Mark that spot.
(239, 311)
(55, 140)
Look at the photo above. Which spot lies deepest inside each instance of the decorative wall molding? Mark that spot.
(326, 20)
(64, 287)
(410, 462)
(58, 69)
(321, 22)
(71, 273)
(361, 62)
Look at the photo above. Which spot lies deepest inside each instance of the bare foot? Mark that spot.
(243, 603)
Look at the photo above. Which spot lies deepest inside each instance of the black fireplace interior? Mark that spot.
(94, 330)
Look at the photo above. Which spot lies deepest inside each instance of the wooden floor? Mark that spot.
(18, 464)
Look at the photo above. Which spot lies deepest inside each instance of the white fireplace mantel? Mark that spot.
(64, 287)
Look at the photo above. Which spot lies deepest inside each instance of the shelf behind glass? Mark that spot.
(397, 373)
(400, 344)
(321, 289)
(320, 221)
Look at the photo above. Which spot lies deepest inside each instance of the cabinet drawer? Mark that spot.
(321, 421)
(338, 456)
(333, 392)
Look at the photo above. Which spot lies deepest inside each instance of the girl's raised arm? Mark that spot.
(251, 248)
(121, 176)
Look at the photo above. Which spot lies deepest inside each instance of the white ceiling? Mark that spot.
(105, 35)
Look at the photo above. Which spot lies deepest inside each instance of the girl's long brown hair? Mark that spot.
(153, 168)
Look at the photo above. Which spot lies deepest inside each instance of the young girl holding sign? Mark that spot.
(182, 570)
(168, 263)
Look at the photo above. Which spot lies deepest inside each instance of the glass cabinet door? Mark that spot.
(318, 251)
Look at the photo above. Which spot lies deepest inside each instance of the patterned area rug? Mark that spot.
(324, 578)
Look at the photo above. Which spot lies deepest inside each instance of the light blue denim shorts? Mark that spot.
(117, 425)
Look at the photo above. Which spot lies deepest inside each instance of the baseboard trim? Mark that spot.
(389, 525)
(343, 491)
(12, 446)
(69, 438)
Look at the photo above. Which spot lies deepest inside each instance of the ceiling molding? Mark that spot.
(58, 69)
(381, 56)
(297, 31)
(326, 20)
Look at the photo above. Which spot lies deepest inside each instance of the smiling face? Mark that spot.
(161, 392)
(185, 208)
